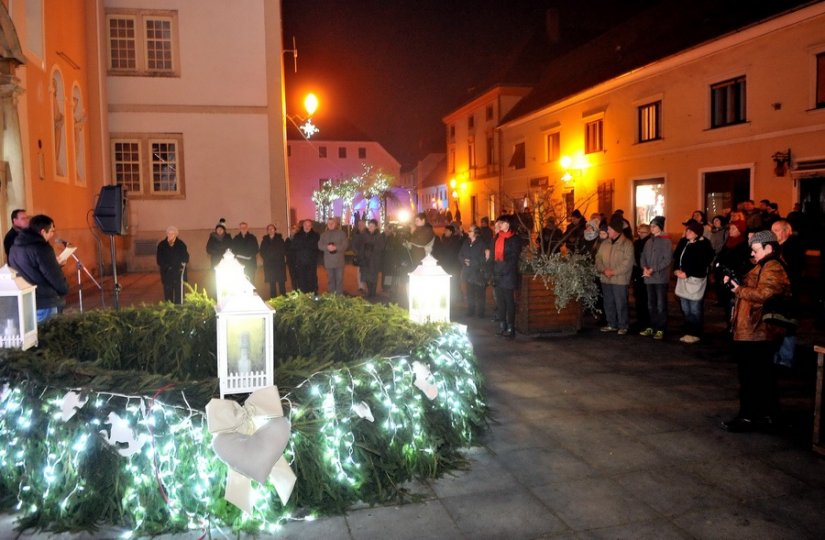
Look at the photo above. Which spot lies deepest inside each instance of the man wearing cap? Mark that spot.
(655, 262)
(172, 257)
(691, 259)
(754, 341)
(614, 261)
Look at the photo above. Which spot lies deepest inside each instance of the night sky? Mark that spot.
(395, 68)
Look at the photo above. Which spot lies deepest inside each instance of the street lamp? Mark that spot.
(306, 127)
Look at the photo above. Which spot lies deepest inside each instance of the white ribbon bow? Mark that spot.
(250, 451)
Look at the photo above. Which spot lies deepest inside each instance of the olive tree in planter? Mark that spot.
(558, 283)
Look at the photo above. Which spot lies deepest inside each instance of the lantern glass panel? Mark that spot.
(245, 344)
(29, 312)
(9, 316)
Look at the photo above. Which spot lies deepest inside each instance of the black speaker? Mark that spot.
(110, 210)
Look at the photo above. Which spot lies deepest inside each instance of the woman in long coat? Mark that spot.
(506, 253)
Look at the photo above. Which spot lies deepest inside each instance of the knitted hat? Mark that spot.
(617, 223)
(740, 225)
(762, 237)
(603, 227)
(221, 224)
(659, 221)
(695, 227)
(576, 214)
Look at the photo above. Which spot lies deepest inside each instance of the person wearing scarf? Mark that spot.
(735, 256)
(506, 253)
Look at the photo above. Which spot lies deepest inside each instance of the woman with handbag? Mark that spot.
(755, 338)
(691, 260)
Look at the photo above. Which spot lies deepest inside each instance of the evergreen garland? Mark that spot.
(155, 367)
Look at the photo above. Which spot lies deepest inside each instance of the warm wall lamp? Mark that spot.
(572, 165)
(306, 127)
(782, 161)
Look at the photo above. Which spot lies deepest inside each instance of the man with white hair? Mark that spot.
(334, 243)
(790, 252)
(172, 257)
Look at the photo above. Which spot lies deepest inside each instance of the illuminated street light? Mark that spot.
(311, 104)
(306, 127)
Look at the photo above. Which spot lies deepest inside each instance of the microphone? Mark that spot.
(61, 241)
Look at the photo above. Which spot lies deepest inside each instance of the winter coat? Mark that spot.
(216, 246)
(617, 255)
(245, 248)
(505, 273)
(171, 259)
(305, 248)
(371, 255)
(693, 258)
(446, 253)
(657, 256)
(273, 254)
(473, 262)
(718, 237)
(34, 259)
(420, 239)
(339, 238)
(765, 280)
(736, 258)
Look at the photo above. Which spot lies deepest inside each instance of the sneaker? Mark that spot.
(659, 334)
(622, 331)
(646, 332)
(688, 339)
(608, 328)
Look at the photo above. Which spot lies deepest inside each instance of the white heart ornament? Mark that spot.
(254, 455)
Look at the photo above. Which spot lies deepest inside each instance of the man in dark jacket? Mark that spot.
(245, 248)
(19, 221)
(273, 254)
(304, 248)
(35, 261)
(172, 257)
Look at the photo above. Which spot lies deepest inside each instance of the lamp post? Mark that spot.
(305, 125)
(18, 311)
(429, 292)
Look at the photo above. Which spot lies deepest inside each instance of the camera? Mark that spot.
(724, 270)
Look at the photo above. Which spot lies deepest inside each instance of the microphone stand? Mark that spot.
(81, 266)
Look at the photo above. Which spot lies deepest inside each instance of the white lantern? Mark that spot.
(230, 279)
(245, 344)
(429, 292)
(18, 311)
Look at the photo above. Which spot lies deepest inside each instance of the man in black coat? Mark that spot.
(19, 221)
(245, 248)
(304, 247)
(273, 254)
(172, 257)
(35, 261)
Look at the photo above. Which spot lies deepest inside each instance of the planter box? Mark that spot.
(536, 311)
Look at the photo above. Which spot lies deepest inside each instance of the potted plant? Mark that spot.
(558, 281)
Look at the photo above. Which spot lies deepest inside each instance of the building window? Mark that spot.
(322, 152)
(605, 197)
(489, 112)
(471, 155)
(362, 152)
(650, 200)
(289, 150)
(471, 122)
(727, 100)
(490, 150)
(650, 122)
(517, 161)
(142, 42)
(552, 143)
(820, 80)
(593, 141)
(149, 165)
(342, 152)
(452, 160)
(452, 132)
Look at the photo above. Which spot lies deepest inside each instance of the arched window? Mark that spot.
(79, 122)
(59, 119)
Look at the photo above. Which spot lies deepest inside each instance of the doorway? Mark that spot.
(812, 205)
(725, 189)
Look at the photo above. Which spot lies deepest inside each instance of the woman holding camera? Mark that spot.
(755, 341)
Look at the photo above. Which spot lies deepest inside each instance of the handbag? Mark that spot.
(691, 288)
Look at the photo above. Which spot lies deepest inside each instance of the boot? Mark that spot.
(502, 329)
(511, 332)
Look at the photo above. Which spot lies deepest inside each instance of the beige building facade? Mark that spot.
(702, 129)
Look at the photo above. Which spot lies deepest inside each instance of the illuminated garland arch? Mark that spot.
(59, 472)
